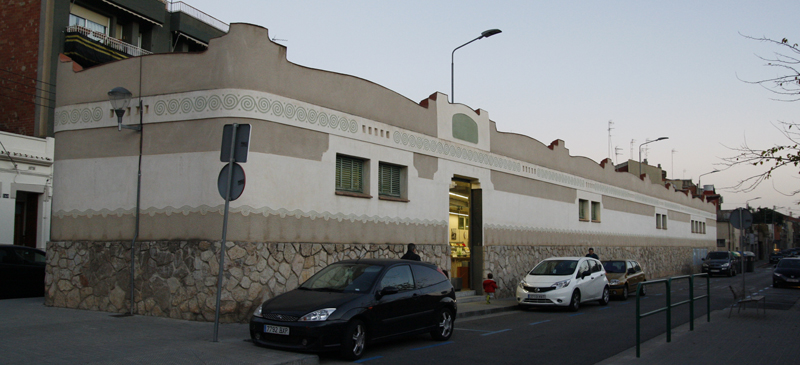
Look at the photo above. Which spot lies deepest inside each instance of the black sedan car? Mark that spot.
(21, 272)
(787, 272)
(350, 304)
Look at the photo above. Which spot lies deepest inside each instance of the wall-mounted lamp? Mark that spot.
(120, 98)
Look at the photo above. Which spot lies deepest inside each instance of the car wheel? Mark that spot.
(355, 340)
(604, 298)
(444, 325)
(625, 293)
(575, 303)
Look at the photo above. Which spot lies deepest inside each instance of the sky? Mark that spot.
(564, 69)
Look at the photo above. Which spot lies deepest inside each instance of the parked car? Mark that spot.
(350, 304)
(564, 281)
(21, 272)
(775, 257)
(624, 277)
(721, 262)
(787, 272)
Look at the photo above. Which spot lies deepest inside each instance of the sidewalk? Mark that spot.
(31, 333)
(744, 338)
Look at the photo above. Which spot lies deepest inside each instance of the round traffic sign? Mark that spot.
(237, 178)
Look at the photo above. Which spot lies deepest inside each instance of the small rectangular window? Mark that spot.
(583, 209)
(349, 174)
(595, 211)
(658, 221)
(663, 221)
(390, 180)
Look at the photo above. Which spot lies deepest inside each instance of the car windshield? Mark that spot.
(786, 263)
(614, 266)
(717, 255)
(555, 267)
(344, 278)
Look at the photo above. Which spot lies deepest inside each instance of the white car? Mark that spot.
(564, 281)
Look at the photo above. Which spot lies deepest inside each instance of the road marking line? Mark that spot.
(368, 359)
(531, 324)
(467, 329)
(577, 314)
(491, 333)
(427, 347)
(604, 308)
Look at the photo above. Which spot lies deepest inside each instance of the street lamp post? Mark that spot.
(120, 98)
(484, 34)
(640, 152)
(701, 175)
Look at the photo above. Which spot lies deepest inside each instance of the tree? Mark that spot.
(787, 87)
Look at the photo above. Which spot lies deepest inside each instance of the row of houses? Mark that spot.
(338, 167)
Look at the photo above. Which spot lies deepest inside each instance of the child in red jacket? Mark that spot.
(489, 287)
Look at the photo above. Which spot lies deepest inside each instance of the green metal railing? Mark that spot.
(670, 305)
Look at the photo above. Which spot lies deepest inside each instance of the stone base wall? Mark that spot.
(509, 264)
(178, 279)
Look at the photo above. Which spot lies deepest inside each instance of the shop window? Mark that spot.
(390, 177)
(349, 174)
(583, 210)
(595, 211)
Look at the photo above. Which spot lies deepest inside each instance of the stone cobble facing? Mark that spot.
(508, 264)
(178, 279)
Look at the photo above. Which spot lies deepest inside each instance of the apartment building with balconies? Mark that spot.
(90, 32)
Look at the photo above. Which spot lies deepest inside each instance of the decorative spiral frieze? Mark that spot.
(245, 103)
(82, 115)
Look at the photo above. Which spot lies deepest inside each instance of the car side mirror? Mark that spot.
(631, 271)
(388, 291)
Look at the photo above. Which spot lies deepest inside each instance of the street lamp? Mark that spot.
(484, 34)
(701, 175)
(749, 200)
(640, 152)
(120, 98)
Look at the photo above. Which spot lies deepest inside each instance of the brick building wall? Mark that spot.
(19, 49)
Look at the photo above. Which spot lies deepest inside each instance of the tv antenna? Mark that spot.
(610, 123)
(275, 39)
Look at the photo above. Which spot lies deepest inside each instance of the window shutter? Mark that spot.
(349, 172)
(389, 180)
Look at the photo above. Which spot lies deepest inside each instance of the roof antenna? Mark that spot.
(274, 39)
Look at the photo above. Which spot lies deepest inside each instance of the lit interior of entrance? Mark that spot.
(459, 232)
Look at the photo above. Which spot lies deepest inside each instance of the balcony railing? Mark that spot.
(108, 41)
(180, 6)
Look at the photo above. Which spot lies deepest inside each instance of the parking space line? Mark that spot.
(467, 329)
(491, 333)
(576, 314)
(604, 308)
(531, 324)
(427, 347)
(368, 359)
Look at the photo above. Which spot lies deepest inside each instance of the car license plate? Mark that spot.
(714, 270)
(278, 330)
(536, 296)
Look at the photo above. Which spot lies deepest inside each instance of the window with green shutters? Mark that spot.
(389, 180)
(349, 174)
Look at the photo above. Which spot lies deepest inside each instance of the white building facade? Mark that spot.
(26, 182)
(338, 167)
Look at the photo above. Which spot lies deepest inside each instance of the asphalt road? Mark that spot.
(588, 336)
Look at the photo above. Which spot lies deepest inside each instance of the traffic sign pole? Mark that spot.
(224, 231)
